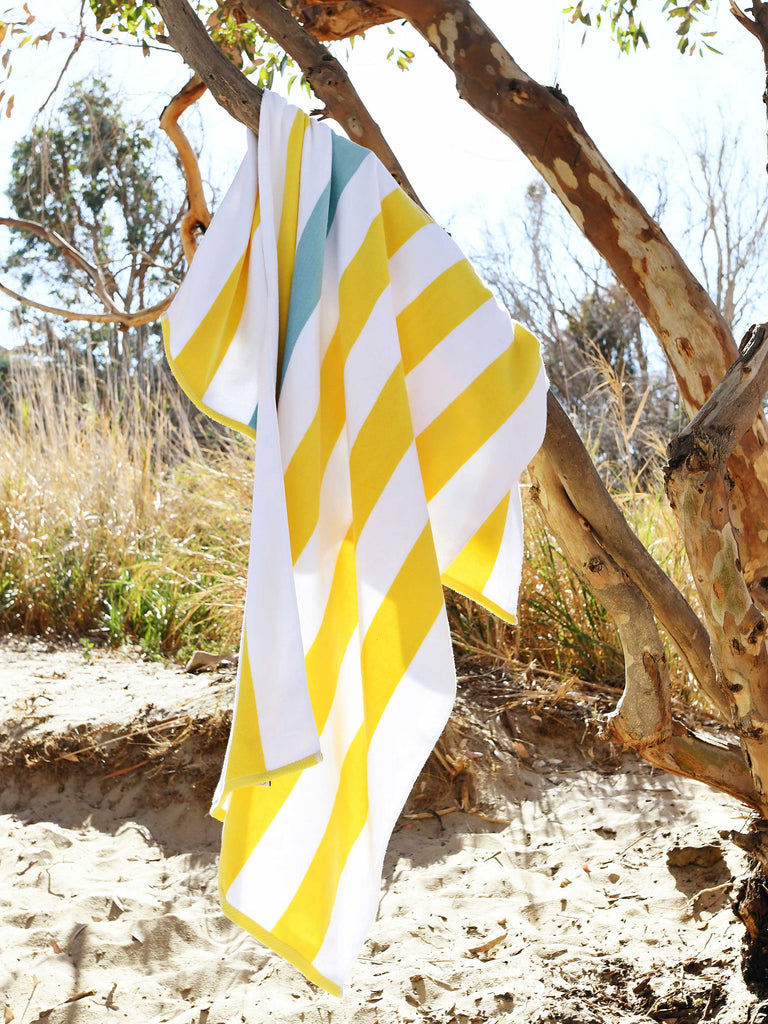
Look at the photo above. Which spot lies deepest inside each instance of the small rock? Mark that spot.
(698, 856)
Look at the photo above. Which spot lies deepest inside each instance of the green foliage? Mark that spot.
(96, 177)
(244, 42)
(623, 17)
(572, 631)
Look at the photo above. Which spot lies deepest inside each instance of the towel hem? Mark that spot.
(286, 952)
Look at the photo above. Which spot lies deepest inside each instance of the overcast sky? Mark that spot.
(638, 108)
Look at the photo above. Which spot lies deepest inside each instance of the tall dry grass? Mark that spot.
(116, 523)
(120, 522)
(561, 628)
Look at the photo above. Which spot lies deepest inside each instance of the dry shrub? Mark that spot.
(115, 521)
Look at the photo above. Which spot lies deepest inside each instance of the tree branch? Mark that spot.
(700, 492)
(141, 316)
(198, 216)
(590, 498)
(341, 19)
(329, 81)
(229, 87)
(643, 717)
(69, 251)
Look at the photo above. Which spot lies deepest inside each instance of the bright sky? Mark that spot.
(637, 108)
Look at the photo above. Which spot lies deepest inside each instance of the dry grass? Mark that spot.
(115, 522)
(120, 523)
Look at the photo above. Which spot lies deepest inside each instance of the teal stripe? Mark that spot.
(307, 281)
(307, 275)
(346, 157)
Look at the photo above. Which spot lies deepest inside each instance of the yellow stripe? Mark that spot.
(196, 364)
(363, 281)
(246, 754)
(243, 428)
(283, 950)
(477, 413)
(474, 563)
(323, 660)
(252, 810)
(380, 445)
(475, 595)
(304, 475)
(402, 219)
(399, 627)
(444, 304)
(397, 632)
(289, 219)
(361, 285)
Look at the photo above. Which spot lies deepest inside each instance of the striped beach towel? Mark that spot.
(394, 406)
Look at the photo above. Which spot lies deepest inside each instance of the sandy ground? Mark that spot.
(567, 910)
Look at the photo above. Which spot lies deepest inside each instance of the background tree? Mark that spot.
(93, 176)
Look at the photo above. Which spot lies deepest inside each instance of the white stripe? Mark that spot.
(454, 518)
(315, 173)
(274, 871)
(220, 248)
(385, 183)
(300, 392)
(503, 584)
(395, 524)
(407, 731)
(314, 568)
(358, 208)
(427, 254)
(370, 364)
(455, 362)
(233, 391)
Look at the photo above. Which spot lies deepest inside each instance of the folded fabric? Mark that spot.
(394, 406)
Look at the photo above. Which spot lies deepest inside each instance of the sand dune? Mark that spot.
(570, 912)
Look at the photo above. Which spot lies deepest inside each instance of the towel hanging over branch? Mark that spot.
(394, 406)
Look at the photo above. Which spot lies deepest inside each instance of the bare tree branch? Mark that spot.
(643, 717)
(198, 216)
(141, 316)
(329, 81)
(79, 39)
(228, 86)
(587, 492)
(69, 251)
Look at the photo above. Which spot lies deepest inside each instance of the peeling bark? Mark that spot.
(341, 19)
(643, 717)
(700, 491)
